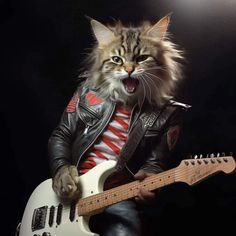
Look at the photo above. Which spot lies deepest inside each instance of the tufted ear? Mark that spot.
(102, 33)
(159, 29)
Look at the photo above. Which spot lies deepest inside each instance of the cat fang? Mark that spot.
(130, 84)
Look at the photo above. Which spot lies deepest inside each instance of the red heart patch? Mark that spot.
(93, 99)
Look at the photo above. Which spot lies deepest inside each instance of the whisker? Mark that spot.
(144, 89)
(156, 68)
(154, 76)
(153, 83)
(155, 80)
(152, 89)
(146, 86)
(150, 92)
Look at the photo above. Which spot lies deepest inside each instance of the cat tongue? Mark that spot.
(130, 84)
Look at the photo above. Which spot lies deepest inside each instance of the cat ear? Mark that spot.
(103, 34)
(159, 30)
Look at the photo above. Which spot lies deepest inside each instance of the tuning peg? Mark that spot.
(212, 155)
(189, 156)
(218, 154)
(231, 154)
(201, 156)
(223, 154)
(207, 156)
(196, 157)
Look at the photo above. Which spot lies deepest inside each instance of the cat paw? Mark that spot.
(66, 182)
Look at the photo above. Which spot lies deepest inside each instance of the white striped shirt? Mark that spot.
(110, 142)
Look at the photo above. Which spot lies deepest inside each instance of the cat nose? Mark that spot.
(129, 69)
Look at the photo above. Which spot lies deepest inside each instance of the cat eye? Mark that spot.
(117, 60)
(142, 58)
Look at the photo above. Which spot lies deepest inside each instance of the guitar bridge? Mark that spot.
(39, 218)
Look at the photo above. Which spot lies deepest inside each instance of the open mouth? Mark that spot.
(130, 84)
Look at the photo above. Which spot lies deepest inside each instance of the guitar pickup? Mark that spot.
(39, 218)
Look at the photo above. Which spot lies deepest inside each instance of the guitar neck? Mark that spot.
(95, 203)
(189, 171)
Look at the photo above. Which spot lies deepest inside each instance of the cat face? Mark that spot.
(130, 62)
(134, 63)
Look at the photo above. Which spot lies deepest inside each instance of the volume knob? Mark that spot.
(46, 234)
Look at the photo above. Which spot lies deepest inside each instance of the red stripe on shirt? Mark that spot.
(123, 110)
(100, 155)
(117, 133)
(114, 148)
(121, 122)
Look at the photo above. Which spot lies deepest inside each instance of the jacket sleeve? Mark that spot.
(161, 150)
(60, 141)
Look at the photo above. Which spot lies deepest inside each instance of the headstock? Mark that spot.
(192, 171)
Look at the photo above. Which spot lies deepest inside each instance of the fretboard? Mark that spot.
(189, 171)
(92, 204)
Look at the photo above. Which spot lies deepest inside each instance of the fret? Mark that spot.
(124, 192)
(189, 171)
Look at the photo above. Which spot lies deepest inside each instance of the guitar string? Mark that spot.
(176, 172)
(123, 189)
(110, 192)
(119, 192)
(163, 175)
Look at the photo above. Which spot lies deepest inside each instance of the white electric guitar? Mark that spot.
(46, 215)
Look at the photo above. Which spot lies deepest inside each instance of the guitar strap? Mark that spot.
(145, 121)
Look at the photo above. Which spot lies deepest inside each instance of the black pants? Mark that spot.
(121, 219)
(127, 218)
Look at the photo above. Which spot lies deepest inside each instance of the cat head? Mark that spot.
(129, 64)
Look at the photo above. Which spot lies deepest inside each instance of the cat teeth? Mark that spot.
(130, 84)
(130, 90)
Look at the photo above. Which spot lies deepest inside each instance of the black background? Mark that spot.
(42, 44)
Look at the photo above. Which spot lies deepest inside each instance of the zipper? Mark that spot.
(102, 129)
(86, 128)
(91, 113)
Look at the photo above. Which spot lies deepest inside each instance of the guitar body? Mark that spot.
(46, 215)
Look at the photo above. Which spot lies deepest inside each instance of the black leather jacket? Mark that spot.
(87, 116)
